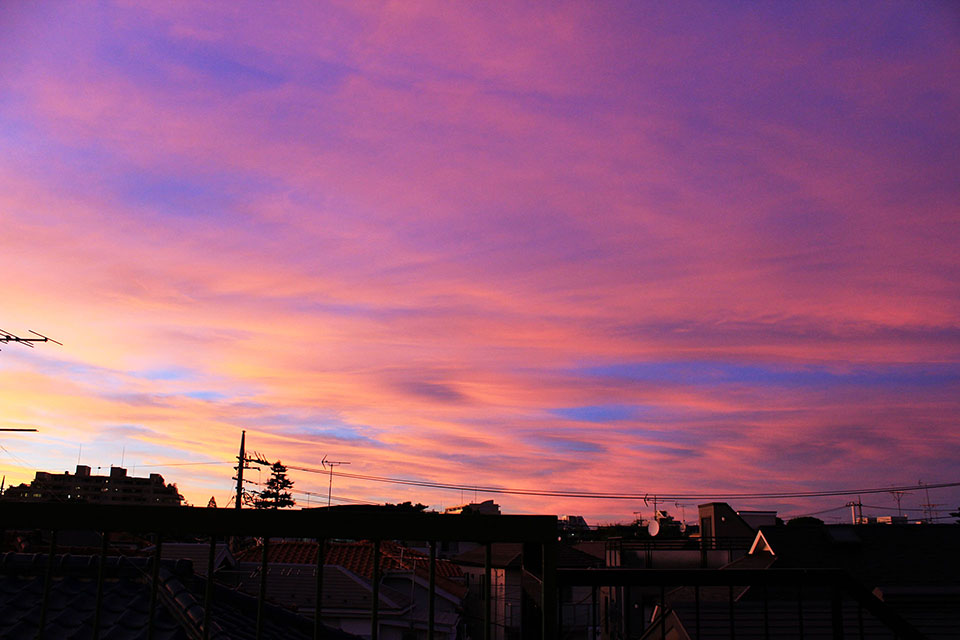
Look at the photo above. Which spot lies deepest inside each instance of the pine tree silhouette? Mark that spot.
(276, 496)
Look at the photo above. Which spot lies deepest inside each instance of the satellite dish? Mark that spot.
(653, 528)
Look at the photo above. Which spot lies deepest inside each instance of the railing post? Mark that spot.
(262, 594)
(860, 618)
(560, 612)
(318, 609)
(101, 570)
(733, 633)
(208, 591)
(154, 586)
(766, 613)
(593, 612)
(487, 590)
(47, 584)
(431, 597)
(696, 599)
(836, 611)
(549, 595)
(375, 606)
(800, 609)
(663, 612)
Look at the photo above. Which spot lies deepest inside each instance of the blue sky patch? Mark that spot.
(596, 413)
(707, 373)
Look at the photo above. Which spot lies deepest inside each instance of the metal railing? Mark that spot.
(542, 580)
(537, 533)
(835, 583)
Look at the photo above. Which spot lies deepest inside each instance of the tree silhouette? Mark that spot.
(276, 496)
(407, 506)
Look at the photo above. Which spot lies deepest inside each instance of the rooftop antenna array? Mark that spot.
(330, 463)
(929, 508)
(6, 337)
(898, 496)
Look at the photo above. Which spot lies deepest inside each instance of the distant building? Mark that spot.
(882, 520)
(116, 488)
(572, 527)
(719, 521)
(507, 597)
(486, 508)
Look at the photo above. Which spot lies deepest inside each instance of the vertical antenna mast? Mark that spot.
(898, 496)
(330, 463)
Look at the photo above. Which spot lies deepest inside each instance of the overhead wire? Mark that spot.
(23, 464)
(593, 495)
(187, 464)
(619, 496)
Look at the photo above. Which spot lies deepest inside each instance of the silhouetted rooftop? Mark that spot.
(126, 602)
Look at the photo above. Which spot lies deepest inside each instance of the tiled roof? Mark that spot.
(357, 557)
(295, 587)
(126, 602)
(197, 553)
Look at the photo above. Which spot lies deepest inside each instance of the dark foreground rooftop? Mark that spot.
(71, 607)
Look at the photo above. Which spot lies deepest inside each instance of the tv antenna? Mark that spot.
(683, 511)
(655, 501)
(330, 463)
(930, 508)
(6, 337)
(898, 496)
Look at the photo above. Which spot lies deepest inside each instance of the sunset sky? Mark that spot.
(631, 247)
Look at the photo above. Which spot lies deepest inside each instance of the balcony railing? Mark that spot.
(537, 533)
(542, 581)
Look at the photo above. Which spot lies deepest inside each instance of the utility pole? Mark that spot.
(243, 462)
(853, 511)
(330, 463)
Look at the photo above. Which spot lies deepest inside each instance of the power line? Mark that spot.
(185, 464)
(873, 506)
(822, 511)
(338, 498)
(619, 496)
